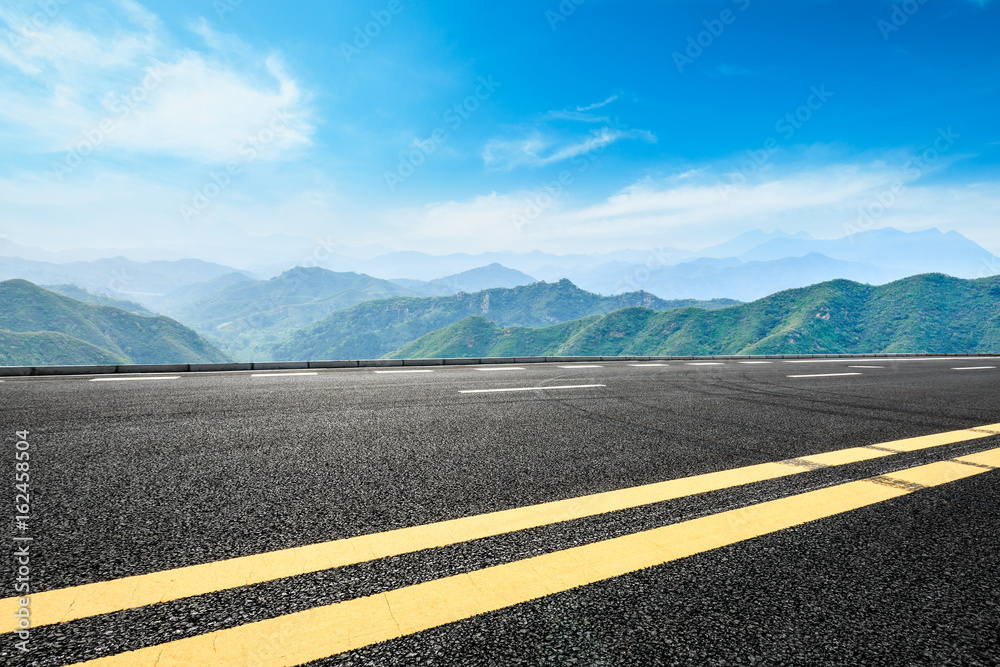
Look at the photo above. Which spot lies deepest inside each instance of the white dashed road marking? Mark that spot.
(156, 377)
(420, 371)
(823, 375)
(568, 386)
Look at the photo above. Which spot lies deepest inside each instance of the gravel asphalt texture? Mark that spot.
(137, 477)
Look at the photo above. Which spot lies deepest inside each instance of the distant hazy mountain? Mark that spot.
(769, 262)
(473, 280)
(117, 277)
(730, 277)
(927, 313)
(747, 241)
(911, 252)
(187, 295)
(221, 242)
(372, 329)
(80, 294)
(39, 327)
(766, 262)
(541, 265)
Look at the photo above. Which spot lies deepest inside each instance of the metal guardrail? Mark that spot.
(21, 371)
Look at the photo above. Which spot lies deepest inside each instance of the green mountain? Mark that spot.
(375, 328)
(47, 348)
(300, 293)
(927, 313)
(40, 327)
(243, 317)
(476, 336)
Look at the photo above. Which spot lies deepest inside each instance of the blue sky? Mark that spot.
(581, 126)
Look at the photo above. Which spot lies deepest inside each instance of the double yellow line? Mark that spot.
(316, 633)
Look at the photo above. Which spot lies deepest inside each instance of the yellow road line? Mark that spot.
(345, 626)
(68, 604)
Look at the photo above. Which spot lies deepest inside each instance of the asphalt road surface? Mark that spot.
(778, 513)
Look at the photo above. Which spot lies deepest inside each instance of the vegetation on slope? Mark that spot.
(47, 348)
(26, 308)
(244, 317)
(928, 313)
(372, 329)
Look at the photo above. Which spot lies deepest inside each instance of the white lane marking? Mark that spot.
(830, 361)
(420, 371)
(866, 366)
(501, 368)
(279, 375)
(583, 366)
(565, 386)
(646, 365)
(755, 362)
(823, 375)
(154, 377)
(704, 363)
(972, 368)
(818, 361)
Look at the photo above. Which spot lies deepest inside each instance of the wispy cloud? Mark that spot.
(220, 41)
(542, 144)
(729, 70)
(582, 113)
(536, 151)
(598, 105)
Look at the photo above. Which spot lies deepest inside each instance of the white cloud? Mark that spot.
(683, 210)
(138, 14)
(688, 210)
(66, 82)
(108, 207)
(204, 111)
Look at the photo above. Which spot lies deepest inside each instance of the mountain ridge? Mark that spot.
(926, 313)
(372, 329)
